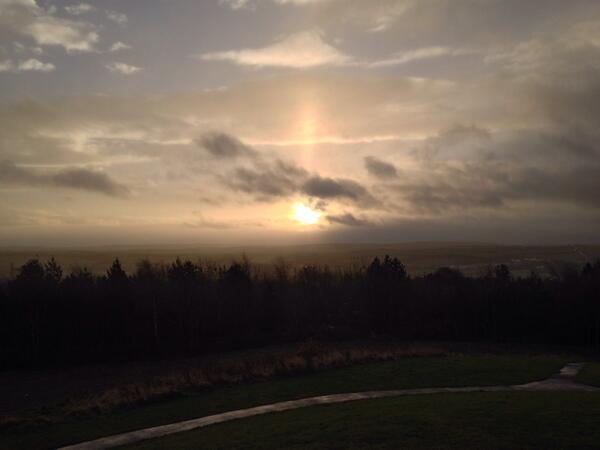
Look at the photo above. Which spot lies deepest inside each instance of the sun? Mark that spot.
(306, 215)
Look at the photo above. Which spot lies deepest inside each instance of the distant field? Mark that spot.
(418, 257)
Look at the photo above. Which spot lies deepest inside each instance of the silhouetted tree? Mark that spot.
(187, 308)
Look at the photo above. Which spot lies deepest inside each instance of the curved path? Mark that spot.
(562, 381)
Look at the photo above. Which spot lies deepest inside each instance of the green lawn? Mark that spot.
(512, 420)
(590, 374)
(405, 373)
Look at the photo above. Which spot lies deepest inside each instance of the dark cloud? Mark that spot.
(498, 185)
(89, 180)
(10, 173)
(443, 196)
(533, 227)
(329, 188)
(347, 219)
(279, 179)
(81, 179)
(225, 146)
(577, 185)
(457, 142)
(269, 179)
(379, 168)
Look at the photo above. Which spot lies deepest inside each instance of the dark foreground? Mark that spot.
(368, 425)
(523, 420)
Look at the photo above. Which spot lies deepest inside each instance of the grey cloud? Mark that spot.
(347, 219)
(443, 197)
(535, 227)
(223, 145)
(379, 168)
(267, 179)
(569, 60)
(12, 174)
(562, 146)
(457, 142)
(89, 180)
(468, 168)
(578, 185)
(498, 185)
(81, 179)
(328, 188)
(279, 179)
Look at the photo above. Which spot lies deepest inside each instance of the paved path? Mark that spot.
(562, 381)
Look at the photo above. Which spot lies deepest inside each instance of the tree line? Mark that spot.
(187, 308)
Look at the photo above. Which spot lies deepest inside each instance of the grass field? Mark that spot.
(515, 420)
(469, 370)
(590, 374)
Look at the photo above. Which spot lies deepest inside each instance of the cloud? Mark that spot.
(237, 4)
(35, 65)
(252, 4)
(73, 178)
(224, 146)
(90, 181)
(7, 66)
(79, 9)
(29, 65)
(26, 18)
(122, 68)
(117, 46)
(448, 194)
(347, 219)
(418, 54)
(458, 142)
(479, 162)
(379, 168)
(117, 17)
(513, 168)
(300, 2)
(267, 180)
(570, 59)
(330, 188)
(499, 186)
(299, 50)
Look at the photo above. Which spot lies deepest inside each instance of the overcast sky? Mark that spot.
(290, 121)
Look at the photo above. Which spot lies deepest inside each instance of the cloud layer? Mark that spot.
(394, 120)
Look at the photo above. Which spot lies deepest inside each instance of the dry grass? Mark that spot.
(307, 357)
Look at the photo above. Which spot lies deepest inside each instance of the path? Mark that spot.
(562, 381)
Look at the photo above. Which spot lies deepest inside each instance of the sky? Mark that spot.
(299, 121)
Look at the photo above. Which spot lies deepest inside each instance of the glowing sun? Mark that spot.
(306, 215)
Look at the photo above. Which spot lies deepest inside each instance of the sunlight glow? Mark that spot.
(306, 215)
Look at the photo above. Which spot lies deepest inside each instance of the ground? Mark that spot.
(590, 374)
(476, 420)
(456, 370)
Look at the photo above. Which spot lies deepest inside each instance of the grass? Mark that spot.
(216, 371)
(590, 374)
(403, 373)
(524, 420)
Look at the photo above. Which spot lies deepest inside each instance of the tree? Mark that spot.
(115, 273)
(53, 272)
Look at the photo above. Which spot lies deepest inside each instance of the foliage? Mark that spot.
(187, 308)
